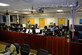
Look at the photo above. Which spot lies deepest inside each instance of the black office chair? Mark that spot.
(42, 52)
(25, 49)
(17, 47)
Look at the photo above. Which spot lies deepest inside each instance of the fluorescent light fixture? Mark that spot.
(59, 10)
(4, 4)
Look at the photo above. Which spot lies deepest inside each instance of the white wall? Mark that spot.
(54, 18)
(78, 17)
(37, 20)
(48, 18)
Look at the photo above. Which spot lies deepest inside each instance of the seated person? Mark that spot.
(62, 32)
(29, 31)
(24, 29)
(10, 49)
(57, 32)
(45, 30)
(52, 30)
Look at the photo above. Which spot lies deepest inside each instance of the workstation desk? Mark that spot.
(54, 45)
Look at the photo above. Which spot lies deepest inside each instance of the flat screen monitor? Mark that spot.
(29, 31)
(80, 21)
(37, 30)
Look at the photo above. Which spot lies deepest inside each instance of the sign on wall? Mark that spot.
(42, 22)
(61, 21)
(31, 20)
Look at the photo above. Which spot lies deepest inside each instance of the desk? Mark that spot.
(54, 45)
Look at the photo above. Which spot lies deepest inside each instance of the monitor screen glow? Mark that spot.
(37, 30)
(80, 21)
(29, 31)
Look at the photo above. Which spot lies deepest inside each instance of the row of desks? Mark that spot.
(55, 45)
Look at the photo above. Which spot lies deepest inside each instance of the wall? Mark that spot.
(14, 19)
(48, 18)
(54, 18)
(78, 17)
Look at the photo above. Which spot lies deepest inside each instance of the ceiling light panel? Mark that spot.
(4, 4)
(59, 10)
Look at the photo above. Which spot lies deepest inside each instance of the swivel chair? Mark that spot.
(17, 47)
(42, 52)
(25, 49)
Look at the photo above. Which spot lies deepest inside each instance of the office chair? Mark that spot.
(25, 49)
(17, 47)
(42, 52)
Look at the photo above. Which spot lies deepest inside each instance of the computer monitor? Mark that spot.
(29, 31)
(37, 30)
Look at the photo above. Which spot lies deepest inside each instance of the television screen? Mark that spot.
(80, 21)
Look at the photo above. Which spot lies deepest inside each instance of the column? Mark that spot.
(8, 20)
(73, 11)
(18, 19)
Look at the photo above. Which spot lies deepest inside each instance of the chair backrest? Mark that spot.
(25, 49)
(17, 47)
(42, 52)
